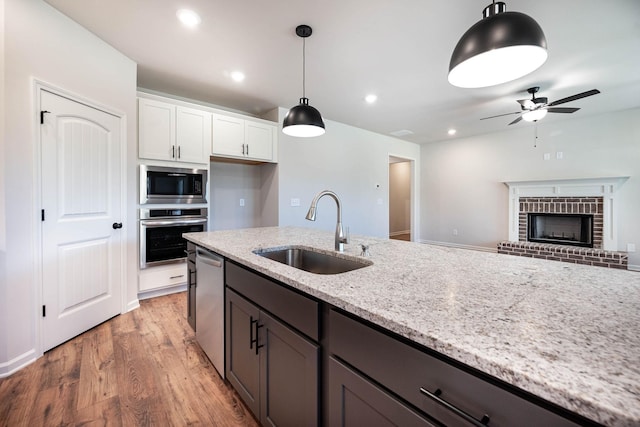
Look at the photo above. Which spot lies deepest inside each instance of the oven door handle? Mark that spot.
(154, 223)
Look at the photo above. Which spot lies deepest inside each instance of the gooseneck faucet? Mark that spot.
(341, 239)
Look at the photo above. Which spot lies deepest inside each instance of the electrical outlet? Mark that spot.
(295, 202)
(241, 202)
(559, 155)
(547, 156)
(631, 247)
(455, 231)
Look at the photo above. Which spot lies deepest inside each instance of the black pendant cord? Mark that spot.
(304, 66)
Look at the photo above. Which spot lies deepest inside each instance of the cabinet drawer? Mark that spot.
(297, 310)
(163, 276)
(404, 370)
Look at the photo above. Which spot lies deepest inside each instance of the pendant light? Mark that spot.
(503, 46)
(303, 120)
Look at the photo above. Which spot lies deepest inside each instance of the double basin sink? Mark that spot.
(313, 261)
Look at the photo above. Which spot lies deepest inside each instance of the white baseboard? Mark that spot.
(17, 363)
(633, 267)
(459, 246)
(160, 292)
(132, 305)
(397, 233)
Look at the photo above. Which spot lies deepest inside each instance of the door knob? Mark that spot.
(117, 225)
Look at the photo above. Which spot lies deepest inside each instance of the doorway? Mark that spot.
(401, 172)
(82, 245)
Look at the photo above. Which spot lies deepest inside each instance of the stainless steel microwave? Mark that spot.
(168, 185)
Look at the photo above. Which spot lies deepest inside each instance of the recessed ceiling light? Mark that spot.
(188, 17)
(237, 76)
(371, 98)
(451, 131)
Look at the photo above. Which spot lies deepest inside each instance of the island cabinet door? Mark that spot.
(243, 368)
(288, 376)
(354, 401)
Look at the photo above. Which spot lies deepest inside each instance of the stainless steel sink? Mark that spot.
(312, 261)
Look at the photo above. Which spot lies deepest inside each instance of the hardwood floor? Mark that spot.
(142, 368)
(406, 236)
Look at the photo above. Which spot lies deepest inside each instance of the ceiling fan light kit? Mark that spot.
(535, 115)
(303, 120)
(503, 46)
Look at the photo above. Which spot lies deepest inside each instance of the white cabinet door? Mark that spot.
(193, 135)
(156, 130)
(228, 136)
(244, 139)
(259, 140)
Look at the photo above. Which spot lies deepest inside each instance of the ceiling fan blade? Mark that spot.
(516, 121)
(574, 97)
(500, 115)
(562, 110)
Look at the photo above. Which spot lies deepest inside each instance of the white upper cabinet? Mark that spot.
(243, 139)
(228, 136)
(156, 130)
(174, 133)
(177, 132)
(193, 135)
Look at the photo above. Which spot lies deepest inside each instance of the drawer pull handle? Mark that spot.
(176, 277)
(251, 322)
(253, 340)
(258, 346)
(435, 396)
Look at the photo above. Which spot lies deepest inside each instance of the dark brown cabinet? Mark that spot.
(273, 367)
(354, 401)
(447, 393)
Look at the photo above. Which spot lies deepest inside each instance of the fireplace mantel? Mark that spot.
(587, 187)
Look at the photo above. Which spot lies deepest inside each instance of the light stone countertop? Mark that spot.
(568, 333)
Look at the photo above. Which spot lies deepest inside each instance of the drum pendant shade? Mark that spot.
(503, 46)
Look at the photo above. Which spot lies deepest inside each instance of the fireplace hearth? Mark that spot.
(560, 229)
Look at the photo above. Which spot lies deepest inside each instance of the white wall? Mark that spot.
(462, 178)
(230, 182)
(399, 197)
(42, 43)
(347, 160)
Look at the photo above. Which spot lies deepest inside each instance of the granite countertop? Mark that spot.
(565, 332)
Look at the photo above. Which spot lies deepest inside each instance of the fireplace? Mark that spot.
(569, 220)
(560, 229)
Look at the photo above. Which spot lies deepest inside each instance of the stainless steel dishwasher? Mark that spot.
(210, 306)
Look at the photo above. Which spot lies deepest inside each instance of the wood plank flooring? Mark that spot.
(142, 368)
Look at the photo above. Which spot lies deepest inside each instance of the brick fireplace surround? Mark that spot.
(523, 204)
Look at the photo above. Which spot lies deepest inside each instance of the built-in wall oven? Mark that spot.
(161, 230)
(169, 185)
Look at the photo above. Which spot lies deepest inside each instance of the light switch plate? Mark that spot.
(241, 202)
(295, 202)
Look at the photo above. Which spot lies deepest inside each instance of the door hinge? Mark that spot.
(42, 113)
(42, 214)
(44, 311)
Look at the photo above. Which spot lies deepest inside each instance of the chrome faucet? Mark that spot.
(341, 239)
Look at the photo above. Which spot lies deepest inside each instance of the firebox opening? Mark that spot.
(561, 229)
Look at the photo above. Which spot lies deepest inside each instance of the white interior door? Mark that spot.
(81, 201)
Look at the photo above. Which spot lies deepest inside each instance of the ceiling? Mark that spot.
(398, 50)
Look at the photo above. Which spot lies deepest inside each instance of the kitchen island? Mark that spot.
(566, 333)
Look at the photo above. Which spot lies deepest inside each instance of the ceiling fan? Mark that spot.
(535, 109)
